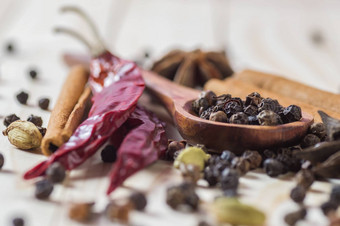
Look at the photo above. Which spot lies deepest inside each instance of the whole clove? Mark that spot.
(44, 103)
(22, 97)
(10, 118)
(36, 120)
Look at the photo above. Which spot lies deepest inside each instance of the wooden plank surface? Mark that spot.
(274, 37)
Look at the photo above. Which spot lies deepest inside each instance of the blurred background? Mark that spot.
(296, 39)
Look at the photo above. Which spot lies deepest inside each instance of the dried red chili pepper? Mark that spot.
(142, 146)
(111, 108)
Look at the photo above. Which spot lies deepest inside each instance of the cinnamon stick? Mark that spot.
(68, 111)
(241, 89)
(292, 89)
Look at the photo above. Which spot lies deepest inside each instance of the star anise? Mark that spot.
(193, 68)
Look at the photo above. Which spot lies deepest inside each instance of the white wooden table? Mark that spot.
(270, 36)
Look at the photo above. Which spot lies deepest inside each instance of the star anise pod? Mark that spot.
(193, 68)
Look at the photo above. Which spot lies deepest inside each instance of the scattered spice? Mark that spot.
(273, 167)
(2, 161)
(24, 135)
(81, 211)
(241, 164)
(310, 140)
(10, 47)
(43, 189)
(42, 130)
(293, 217)
(190, 172)
(118, 212)
(33, 73)
(182, 196)
(229, 179)
(193, 68)
(255, 110)
(138, 200)
(10, 118)
(298, 193)
(328, 207)
(109, 153)
(318, 129)
(44, 103)
(254, 158)
(22, 97)
(231, 210)
(18, 221)
(192, 155)
(173, 148)
(211, 175)
(305, 178)
(203, 223)
(36, 120)
(56, 172)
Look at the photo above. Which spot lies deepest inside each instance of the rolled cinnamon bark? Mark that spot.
(68, 111)
(292, 89)
(242, 89)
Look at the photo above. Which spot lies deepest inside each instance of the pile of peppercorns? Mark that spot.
(255, 110)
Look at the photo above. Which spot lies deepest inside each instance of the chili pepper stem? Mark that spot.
(95, 49)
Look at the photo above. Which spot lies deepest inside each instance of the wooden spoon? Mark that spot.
(216, 135)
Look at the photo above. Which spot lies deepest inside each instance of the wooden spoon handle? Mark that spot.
(168, 92)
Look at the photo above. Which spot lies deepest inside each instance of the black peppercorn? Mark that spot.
(218, 116)
(42, 130)
(298, 194)
(10, 118)
(233, 106)
(291, 113)
(22, 97)
(269, 105)
(211, 175)
(2, 161)
(253, 120)
(335, 195)
(10, 47)
(253, 99)
(250, 110)
(239, 118)
(182, 195)
(206, 114)
(268, 154)
(56, 173)
(310, 140)
(138, 200)
(109, 154)
(328, 207)
(318, 129)
(227, 155)
(293, 217)
(44, 103)
(33, 73)
(174, 146)
(18, 221)
(254, 158)
(229, 179)
(36, 120)
(43, 189)
(242, 165)
(268, 118)
(210, 96)
(273, 167)
(289, 163)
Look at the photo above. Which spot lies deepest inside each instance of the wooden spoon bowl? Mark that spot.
(217, 135)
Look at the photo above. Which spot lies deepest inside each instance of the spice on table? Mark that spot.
(192, 155)
(332, 126)
(318, 129)
(44, 103)
(18, 221)
(231, 210)
(22, 97)
(193, 68)
(24, 135)
(138, 200)
(109, 153)
(273, 167)
(211, 175)
(118, 212)
(42, 130)
(254, 158)
(43, 189)
(328, 207)
(293, 217)
(33, 73)
(310, 140)
(10, 118)
(2, 161)
(68, 111)
(36, 120)
(56, 173)
(81, 212)
(174, 148)
(182, 197)
(229, 179)
(10, 47)
(142, 145)
(298, 193)
(305, 178)
(241, 164)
